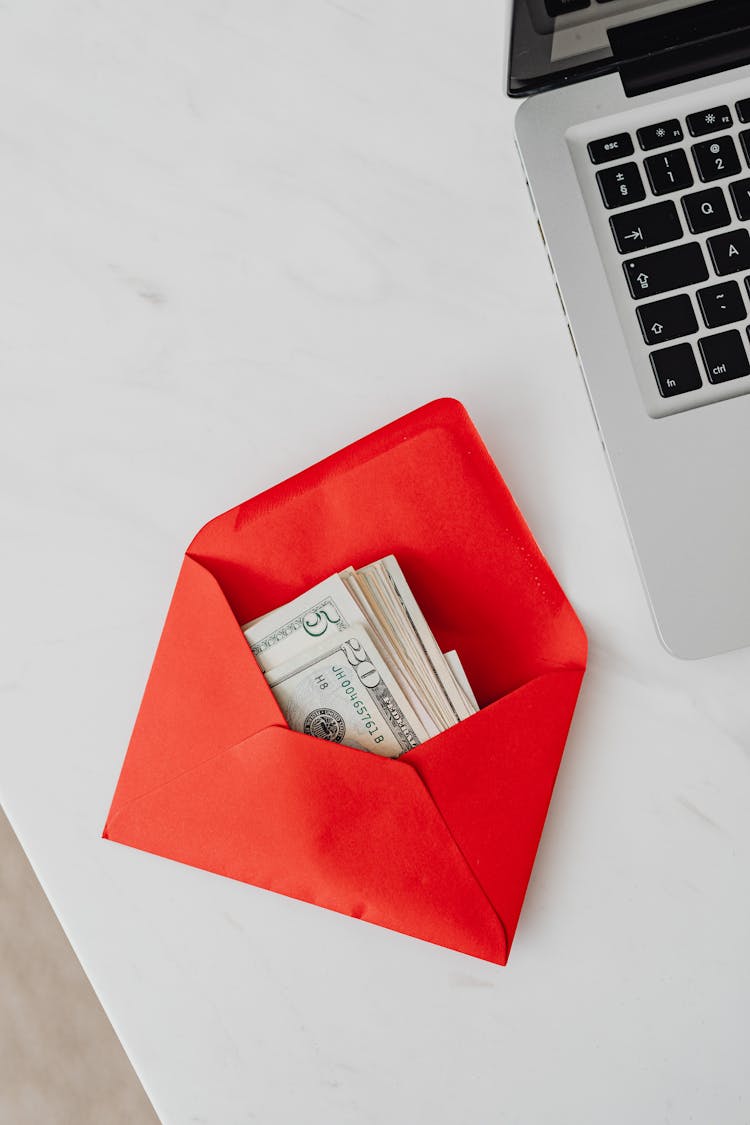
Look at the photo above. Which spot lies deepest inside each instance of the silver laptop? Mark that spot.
(635, 141)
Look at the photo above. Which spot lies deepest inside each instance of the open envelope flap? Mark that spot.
(492, 776)
(205, 692)
(425, 489)
(324, 823)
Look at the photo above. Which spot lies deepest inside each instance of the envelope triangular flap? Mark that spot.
(426, 490)
(326, 824)
(492, 778)
(204, 693)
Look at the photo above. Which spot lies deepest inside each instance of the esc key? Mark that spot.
(610, 148)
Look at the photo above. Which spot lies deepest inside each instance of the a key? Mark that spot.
(668, 171)
(716, 159)
(646, 226)
(652, 274)
(740, 192)
(730, 252)
(676, 370)
(706, 210)
(709, 121)
(724, 356)
(743, 110)
(620, 185)
(666, 320)
(721, 304)
(610, 148)
(656, 136)
(745, 142)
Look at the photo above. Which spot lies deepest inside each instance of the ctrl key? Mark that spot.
(724, 356)
(676, 370)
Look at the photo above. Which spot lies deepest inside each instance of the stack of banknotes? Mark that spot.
(354, 661)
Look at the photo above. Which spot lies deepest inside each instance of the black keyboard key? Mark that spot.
(743, 110)
(610, 148)
(652, 274)
(721, 304)
(745, 142)
(668, 171)
(706, 210)
(656, 136)
(724, 356)
(730, 252)
(646, 226)
(560, 7)
(716, 159)
(621, 185)
(740, 191)
(676, 370)
(666, 320)
(710, 121)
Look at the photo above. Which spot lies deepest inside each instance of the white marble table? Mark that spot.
(236, 236)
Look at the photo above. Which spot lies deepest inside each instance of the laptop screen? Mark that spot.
(558, 41)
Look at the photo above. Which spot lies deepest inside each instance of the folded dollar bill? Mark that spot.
(353, 660)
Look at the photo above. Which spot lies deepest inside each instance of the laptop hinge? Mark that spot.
(679, 46)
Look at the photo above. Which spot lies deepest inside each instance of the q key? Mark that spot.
(706, 210)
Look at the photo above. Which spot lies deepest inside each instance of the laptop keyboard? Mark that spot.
(677, 196)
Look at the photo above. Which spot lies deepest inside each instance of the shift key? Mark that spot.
(651, 274)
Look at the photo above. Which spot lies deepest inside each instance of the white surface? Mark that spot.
(235, 237)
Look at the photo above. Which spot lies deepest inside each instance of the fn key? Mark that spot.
(676, 370)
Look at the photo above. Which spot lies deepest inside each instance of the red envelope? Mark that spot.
(438, 843)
